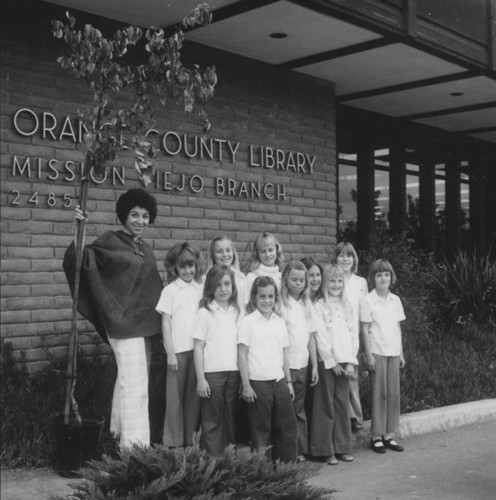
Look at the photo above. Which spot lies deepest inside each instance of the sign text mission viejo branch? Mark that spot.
(46, 127)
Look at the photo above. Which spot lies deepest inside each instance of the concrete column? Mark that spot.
(477, 200)
(365, 193)
(427, 205)
(453, 205)
(397, 187)
(490, 202)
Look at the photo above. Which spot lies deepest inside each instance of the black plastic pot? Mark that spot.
(77, 443)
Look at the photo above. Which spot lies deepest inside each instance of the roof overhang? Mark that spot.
(374, 69)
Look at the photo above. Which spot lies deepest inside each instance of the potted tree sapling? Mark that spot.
(110, 129)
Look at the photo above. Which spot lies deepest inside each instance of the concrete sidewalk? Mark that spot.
(437, 419)
(457, 464)
(436, 465)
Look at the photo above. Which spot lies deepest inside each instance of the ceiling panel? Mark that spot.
(463, 121)
(381, 67)
(431, 98)
(486, 136)
(309, 32)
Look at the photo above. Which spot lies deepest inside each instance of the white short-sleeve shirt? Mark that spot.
(180, 300)
(384, 316)
(217, 328)
(299, 324)
(266, 340)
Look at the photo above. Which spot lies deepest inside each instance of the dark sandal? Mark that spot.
(392, 444)
(377, 445)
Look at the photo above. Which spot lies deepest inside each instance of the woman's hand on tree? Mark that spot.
(79, 215)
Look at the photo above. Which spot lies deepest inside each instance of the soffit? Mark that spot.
(375, 72)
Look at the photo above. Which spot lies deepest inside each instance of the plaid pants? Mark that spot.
(129, 420)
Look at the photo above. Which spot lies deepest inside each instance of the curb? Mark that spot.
(436, 419)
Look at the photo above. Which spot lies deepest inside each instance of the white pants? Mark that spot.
(129, 420)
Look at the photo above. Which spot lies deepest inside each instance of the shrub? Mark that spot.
(31, 402)
(193, 474)
(29, 406)
(446, 371)
(465, 291)
(413, 269)
(442, 369)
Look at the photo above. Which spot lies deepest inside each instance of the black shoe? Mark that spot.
(392, 444)
(377, 445)
(356, 425)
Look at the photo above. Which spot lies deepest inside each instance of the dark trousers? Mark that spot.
(272, 419)
(217, 411)
(182, 414)
(330, 430)
(299, 379)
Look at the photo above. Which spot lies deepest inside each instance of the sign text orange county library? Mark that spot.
(46, 126)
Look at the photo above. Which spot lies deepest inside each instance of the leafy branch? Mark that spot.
(92, 58)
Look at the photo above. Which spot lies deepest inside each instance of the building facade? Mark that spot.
(305, 89)
(268, 164)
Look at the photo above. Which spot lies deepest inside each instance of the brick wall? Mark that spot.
(255, 106)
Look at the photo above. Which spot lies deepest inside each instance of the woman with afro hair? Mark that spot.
(119, 289)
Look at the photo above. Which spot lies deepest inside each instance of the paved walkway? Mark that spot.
(458, 464)
(450, 454)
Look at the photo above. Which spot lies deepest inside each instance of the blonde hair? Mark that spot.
(254, 261)
(211, 253)
(331, 271)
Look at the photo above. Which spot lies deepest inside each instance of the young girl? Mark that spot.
(178, 305)
(216, 358)
(221, 251)
(330, 430)
(314, 276)
(297, 313)
(265, 376)
(266, 260)
(356, 288)
(380, 315)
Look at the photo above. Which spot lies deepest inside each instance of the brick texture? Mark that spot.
(255, 106)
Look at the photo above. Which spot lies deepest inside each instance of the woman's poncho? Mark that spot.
(120, 286)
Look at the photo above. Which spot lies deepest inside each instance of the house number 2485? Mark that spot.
(51, 199)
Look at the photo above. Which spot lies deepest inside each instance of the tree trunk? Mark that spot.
(70, 401)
